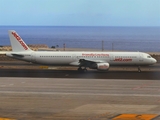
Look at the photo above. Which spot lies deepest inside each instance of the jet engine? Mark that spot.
(100, 66)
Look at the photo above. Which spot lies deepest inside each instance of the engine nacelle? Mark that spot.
(102, 66)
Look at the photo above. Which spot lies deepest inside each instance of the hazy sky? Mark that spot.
(80, 12)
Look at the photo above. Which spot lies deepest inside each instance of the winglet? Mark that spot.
(18, 45)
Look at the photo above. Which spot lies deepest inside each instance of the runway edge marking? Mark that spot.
(6, 119)
(135, 117)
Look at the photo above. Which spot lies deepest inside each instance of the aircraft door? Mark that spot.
(111, 57)
(140, 57)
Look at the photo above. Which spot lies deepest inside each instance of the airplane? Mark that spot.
(101, 61)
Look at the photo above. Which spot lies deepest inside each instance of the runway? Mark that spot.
(29, 92)
(77, 99)
(92, 74)
(25, 69)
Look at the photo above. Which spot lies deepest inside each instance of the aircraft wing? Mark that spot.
(85, 62)
(94, 64)
(90, 60)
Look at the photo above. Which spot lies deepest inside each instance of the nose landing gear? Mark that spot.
(139, 69)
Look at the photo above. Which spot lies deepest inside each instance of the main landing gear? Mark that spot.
(80, 69)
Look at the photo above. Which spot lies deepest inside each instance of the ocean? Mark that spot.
(144, 39)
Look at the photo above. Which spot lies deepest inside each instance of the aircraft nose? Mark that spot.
(154, 60)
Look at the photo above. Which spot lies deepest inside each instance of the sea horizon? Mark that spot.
(130, 38)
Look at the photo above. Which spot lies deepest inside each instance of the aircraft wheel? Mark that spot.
(84, 70)
(80, 69)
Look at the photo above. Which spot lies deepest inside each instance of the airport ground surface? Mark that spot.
(78, 99)
(24, 69)
(33, 92)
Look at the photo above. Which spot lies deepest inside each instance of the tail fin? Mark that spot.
(18, 45)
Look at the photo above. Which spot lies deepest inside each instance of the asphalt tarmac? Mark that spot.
(74, 74)
(78, 99)
(33, 92)
(24, 69)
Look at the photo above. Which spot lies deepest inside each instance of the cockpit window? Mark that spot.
(148, 56)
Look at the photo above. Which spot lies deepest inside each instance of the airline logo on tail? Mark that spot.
(18, 38)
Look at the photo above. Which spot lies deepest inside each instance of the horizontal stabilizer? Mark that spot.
(18, 55)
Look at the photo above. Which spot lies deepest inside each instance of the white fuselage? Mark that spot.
(93, 60)
(72, 58)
